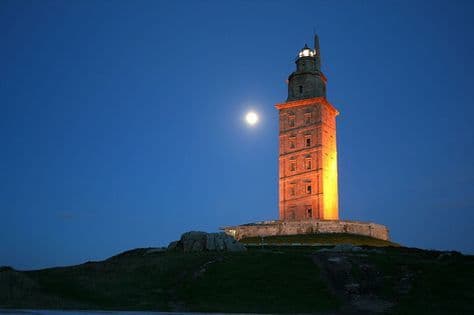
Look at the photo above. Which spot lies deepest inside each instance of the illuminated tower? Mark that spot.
(308, 153)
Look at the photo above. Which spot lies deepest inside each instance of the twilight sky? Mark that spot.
(121, 122)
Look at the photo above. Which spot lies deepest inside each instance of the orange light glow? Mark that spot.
(330, 195)
(296, 200)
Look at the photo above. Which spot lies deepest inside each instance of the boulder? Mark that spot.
(193, 241)
(198, 246)
(211, 241)
(220, 241)
(232, 245)
(196, 241)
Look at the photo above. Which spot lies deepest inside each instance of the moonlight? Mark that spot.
(251, 118)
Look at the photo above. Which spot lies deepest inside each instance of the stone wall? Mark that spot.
(272, 228)
(307, 160)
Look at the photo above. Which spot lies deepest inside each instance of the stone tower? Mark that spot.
(307, 161)
(308, 152)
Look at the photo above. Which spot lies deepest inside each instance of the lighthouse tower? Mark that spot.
(308, 152)
(308, 197)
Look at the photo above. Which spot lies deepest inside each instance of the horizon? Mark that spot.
(123, 125)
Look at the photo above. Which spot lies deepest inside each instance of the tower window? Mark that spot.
(308, 164)
(308, 142)
(309, 213)
(293, 166)
(292, 144)
(301, 89)
(308, 189)
(291, 121)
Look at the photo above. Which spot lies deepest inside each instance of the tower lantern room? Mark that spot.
(308, 80)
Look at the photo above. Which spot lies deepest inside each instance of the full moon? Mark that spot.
(251, 118)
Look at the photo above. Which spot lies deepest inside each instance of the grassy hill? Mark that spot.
(272, 279)
(319, 239)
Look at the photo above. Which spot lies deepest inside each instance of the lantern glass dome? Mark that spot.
(307, 52)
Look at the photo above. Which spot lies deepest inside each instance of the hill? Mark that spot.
(318, 239)
(268, 279)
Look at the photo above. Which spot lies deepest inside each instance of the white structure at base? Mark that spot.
(274, 228)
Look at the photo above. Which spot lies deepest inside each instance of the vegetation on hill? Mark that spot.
(269, 279)
(319, 239)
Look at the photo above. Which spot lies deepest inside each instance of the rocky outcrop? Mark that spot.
(196, 241)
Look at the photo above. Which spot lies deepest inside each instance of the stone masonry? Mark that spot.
(274, 228)
(308, 152)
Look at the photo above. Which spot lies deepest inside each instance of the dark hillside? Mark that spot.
(320, 239)
(278, 279)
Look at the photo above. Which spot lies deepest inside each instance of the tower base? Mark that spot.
(274, 228)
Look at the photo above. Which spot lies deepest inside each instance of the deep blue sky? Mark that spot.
(121, 121)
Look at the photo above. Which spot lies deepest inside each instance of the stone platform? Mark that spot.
(273, 228)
